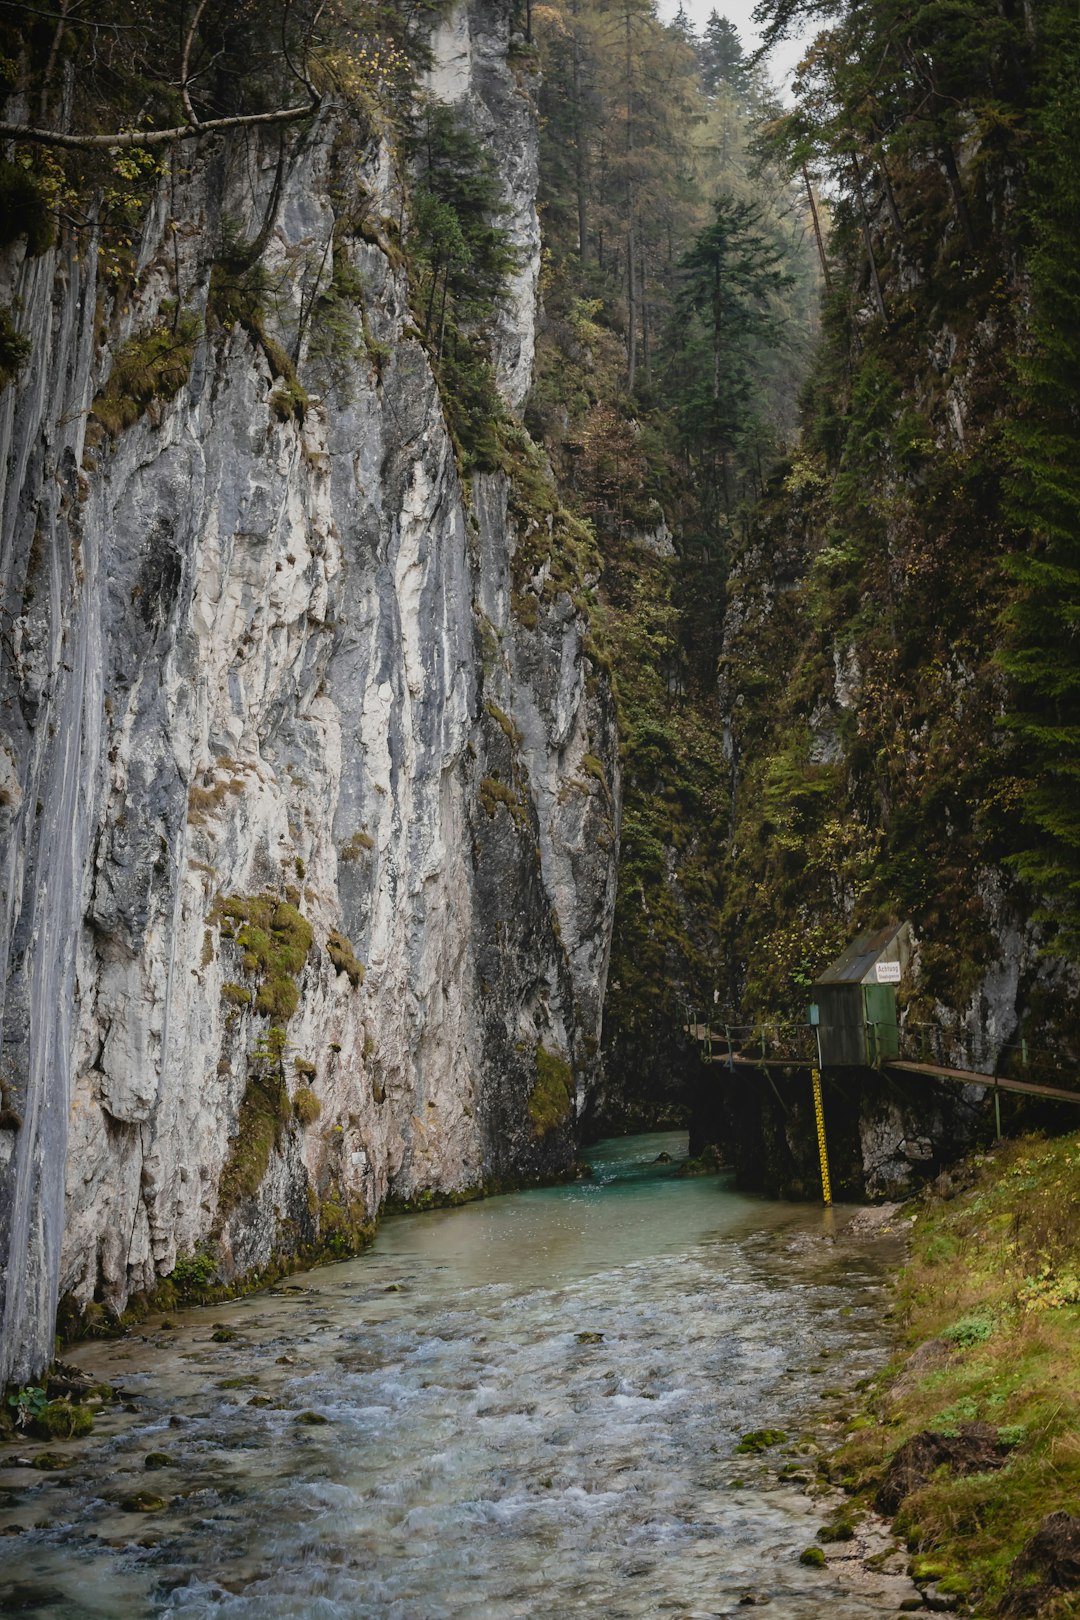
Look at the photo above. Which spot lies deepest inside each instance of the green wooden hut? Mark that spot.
(855, 999)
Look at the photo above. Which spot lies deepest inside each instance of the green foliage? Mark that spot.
(459, 257)
(241, 294)
(1040, 655)
(24, 209)
(27, 1403)
(150, 366)
(1012, 1353)
(14, 349)
(551, 1100)
(969, 1330)
(275, 939)
(193, 1274)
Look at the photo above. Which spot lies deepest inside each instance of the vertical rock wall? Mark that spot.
(261, 677)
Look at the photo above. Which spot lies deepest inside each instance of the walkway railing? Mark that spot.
(954, 1055)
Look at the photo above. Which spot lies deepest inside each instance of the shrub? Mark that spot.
(23, 210)
(306, 1106)
(152, 365)
(344, 958)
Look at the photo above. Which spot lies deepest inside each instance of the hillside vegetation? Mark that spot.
(971, 1437)
(870, 523)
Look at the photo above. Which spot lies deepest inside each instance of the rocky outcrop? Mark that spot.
(277, 755)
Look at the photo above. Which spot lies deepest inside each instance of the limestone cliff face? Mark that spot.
(261, 679)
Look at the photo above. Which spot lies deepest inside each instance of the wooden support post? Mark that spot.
(819, 1117)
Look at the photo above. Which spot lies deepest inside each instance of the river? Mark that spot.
(532, 1407)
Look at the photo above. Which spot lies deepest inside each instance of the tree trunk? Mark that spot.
(952, 174)
(631, 312)
(581, 162)
(867, 241)
(822, 260)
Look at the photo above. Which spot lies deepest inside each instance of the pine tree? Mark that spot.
(1042, 655)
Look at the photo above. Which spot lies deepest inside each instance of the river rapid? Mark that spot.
(532, 1407)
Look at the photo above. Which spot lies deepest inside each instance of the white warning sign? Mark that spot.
(887, 972)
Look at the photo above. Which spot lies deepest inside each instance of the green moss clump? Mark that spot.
(152, 365)
(760, 1440)
(143, 1502)
(493, 793)
(344, 1227)
(306, 1106)
(289, 400)
(551, 1100)
(237, 995)
(275, 939)
(50, 1462)
(257, 1132)
(357, 845)
(813, 1556)
(344, 958)
(505, 724)
(60, 1420)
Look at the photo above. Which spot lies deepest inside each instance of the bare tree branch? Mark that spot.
(153, 137)
(185, 62)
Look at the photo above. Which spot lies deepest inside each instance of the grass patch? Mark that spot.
(306, 1106)
(990, 1287)
(344, 958)
(493, 793)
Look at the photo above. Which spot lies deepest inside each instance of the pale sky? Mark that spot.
(781, 63)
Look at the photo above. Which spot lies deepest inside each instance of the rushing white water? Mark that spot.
(532, 1409)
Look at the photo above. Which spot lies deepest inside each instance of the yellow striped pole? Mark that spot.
(819, 1116)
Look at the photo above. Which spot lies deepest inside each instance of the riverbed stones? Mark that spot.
(760, 1440)
(143, 1502)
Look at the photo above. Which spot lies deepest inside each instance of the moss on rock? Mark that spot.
(551, 1100)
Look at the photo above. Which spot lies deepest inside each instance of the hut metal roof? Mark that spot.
(854, 963)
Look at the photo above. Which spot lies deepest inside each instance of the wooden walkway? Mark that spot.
(969, 1077)
(717, 1047)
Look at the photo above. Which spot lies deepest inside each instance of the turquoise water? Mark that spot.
(532, 1406)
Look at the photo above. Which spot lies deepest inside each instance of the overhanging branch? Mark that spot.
(153, 137)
